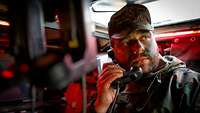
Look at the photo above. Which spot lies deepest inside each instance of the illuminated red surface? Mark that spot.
(24, 68)
(7, 74)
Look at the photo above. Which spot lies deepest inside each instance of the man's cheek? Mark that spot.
(123, 58)
(151, 51)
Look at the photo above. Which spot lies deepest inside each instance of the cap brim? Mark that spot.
(144, 27)
(134, 27)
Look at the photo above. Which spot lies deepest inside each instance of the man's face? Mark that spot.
(135, 49)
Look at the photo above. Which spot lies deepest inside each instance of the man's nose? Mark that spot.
(140, 44)
(138, 48)
(141, 47)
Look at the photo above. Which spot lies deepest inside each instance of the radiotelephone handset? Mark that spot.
(133, 75)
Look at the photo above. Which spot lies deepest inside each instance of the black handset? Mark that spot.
(111, 54)
(133, 75)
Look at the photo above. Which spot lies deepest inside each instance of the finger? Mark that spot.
(106, 71)
(113, 76)
(111, 79)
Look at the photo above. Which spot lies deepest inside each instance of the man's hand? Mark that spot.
(105, 93)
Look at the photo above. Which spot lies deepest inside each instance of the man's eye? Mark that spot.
(143, 38)
(125, 41)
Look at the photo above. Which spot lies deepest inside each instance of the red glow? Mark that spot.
(193, 39)
(24, 68)
(7, 74)
(180, 34)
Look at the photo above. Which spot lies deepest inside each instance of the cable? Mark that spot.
(84, 87)
(33, 91)
(114, 101)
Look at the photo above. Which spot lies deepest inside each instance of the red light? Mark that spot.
(24, 68)
(176, 40)
(180, 34)
(7, 74)
(177, 33)
(193, 39)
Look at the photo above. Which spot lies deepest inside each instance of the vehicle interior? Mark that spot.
(52, 51)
